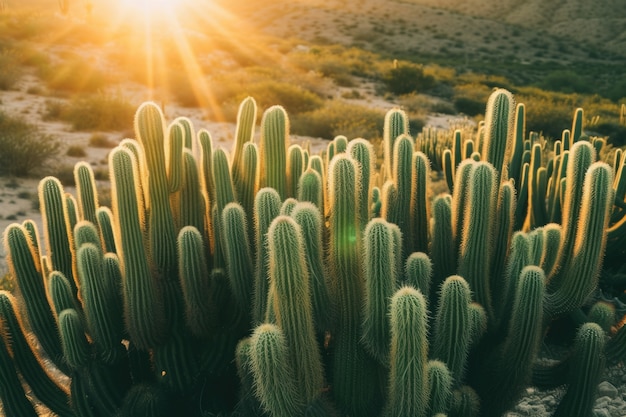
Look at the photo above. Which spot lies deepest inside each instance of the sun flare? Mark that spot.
(151, 6)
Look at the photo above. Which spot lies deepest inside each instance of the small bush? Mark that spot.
(339, 118)
(73, 76)
(96, 112)
(10, 72)
(405, 79)
(469, 106)
(100, 140)
(76, 151)
(23, 147)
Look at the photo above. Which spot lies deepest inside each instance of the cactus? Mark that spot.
(408, 375)
(157, 297)
(396, 124)
(27, 361)
(290, 290)
(309, 218)
(273, 152)
(355, 374)
(584, 378)
(452, 329)
(276, 385)
(246, 118)
(143, 299)
(11, 391)
(499, 118)
(380, 284)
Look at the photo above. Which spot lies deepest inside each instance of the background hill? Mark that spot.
(524, 41)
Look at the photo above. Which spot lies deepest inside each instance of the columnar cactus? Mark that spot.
(274, 268)
(408, 376)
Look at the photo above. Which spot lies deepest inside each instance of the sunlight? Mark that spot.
(151, 7)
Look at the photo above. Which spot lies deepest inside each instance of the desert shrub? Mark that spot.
(417, 103)
(469, 106)
(548, 113)
(615, 133)
(339, 118)
(74, 75)
(94, 112)
(76, 151)
(23, 147)
(9, 70)
(100, 140)
(407, 78)
(564, 81)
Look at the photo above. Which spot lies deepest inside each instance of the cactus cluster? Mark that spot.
(269, 281)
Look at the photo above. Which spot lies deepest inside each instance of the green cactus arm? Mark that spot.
(475, 248)
(603, 314)
(105, 225)
(12, 393)
(420, 202)
(206, 164)
(76, 348)
(419, 271)
(585, 377)
(355, 372)
(248, 183)
(101, 303)
(174, 156)
(503, 377)
(60, 293)
(400, 211)
(452, 328)
(309, 218)
(310, 188)
(499, 119)
(149, 127)
(266, 207)
(380, 284)
(581, 156)
(275, 382)
(505, 217)
(362, 152)
(192, 211)
(26, 268)
(295, 168)
(517, 149)
(552, 242)
(86, 191)
(143, 299)
(288, 205)
(396, 124)
(582, 270)
(30, 365)
(57, 232)
(408, 375)
(86, 232)
(273, 150)
(238, 254)
(440, 387)
(442, 250)
(195, 282)
(290, 290)
(246, 119)
(72, 213)
(224, 190)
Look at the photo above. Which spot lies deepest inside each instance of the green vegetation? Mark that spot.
(343, 316)
(23, 148)
(93, 112)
